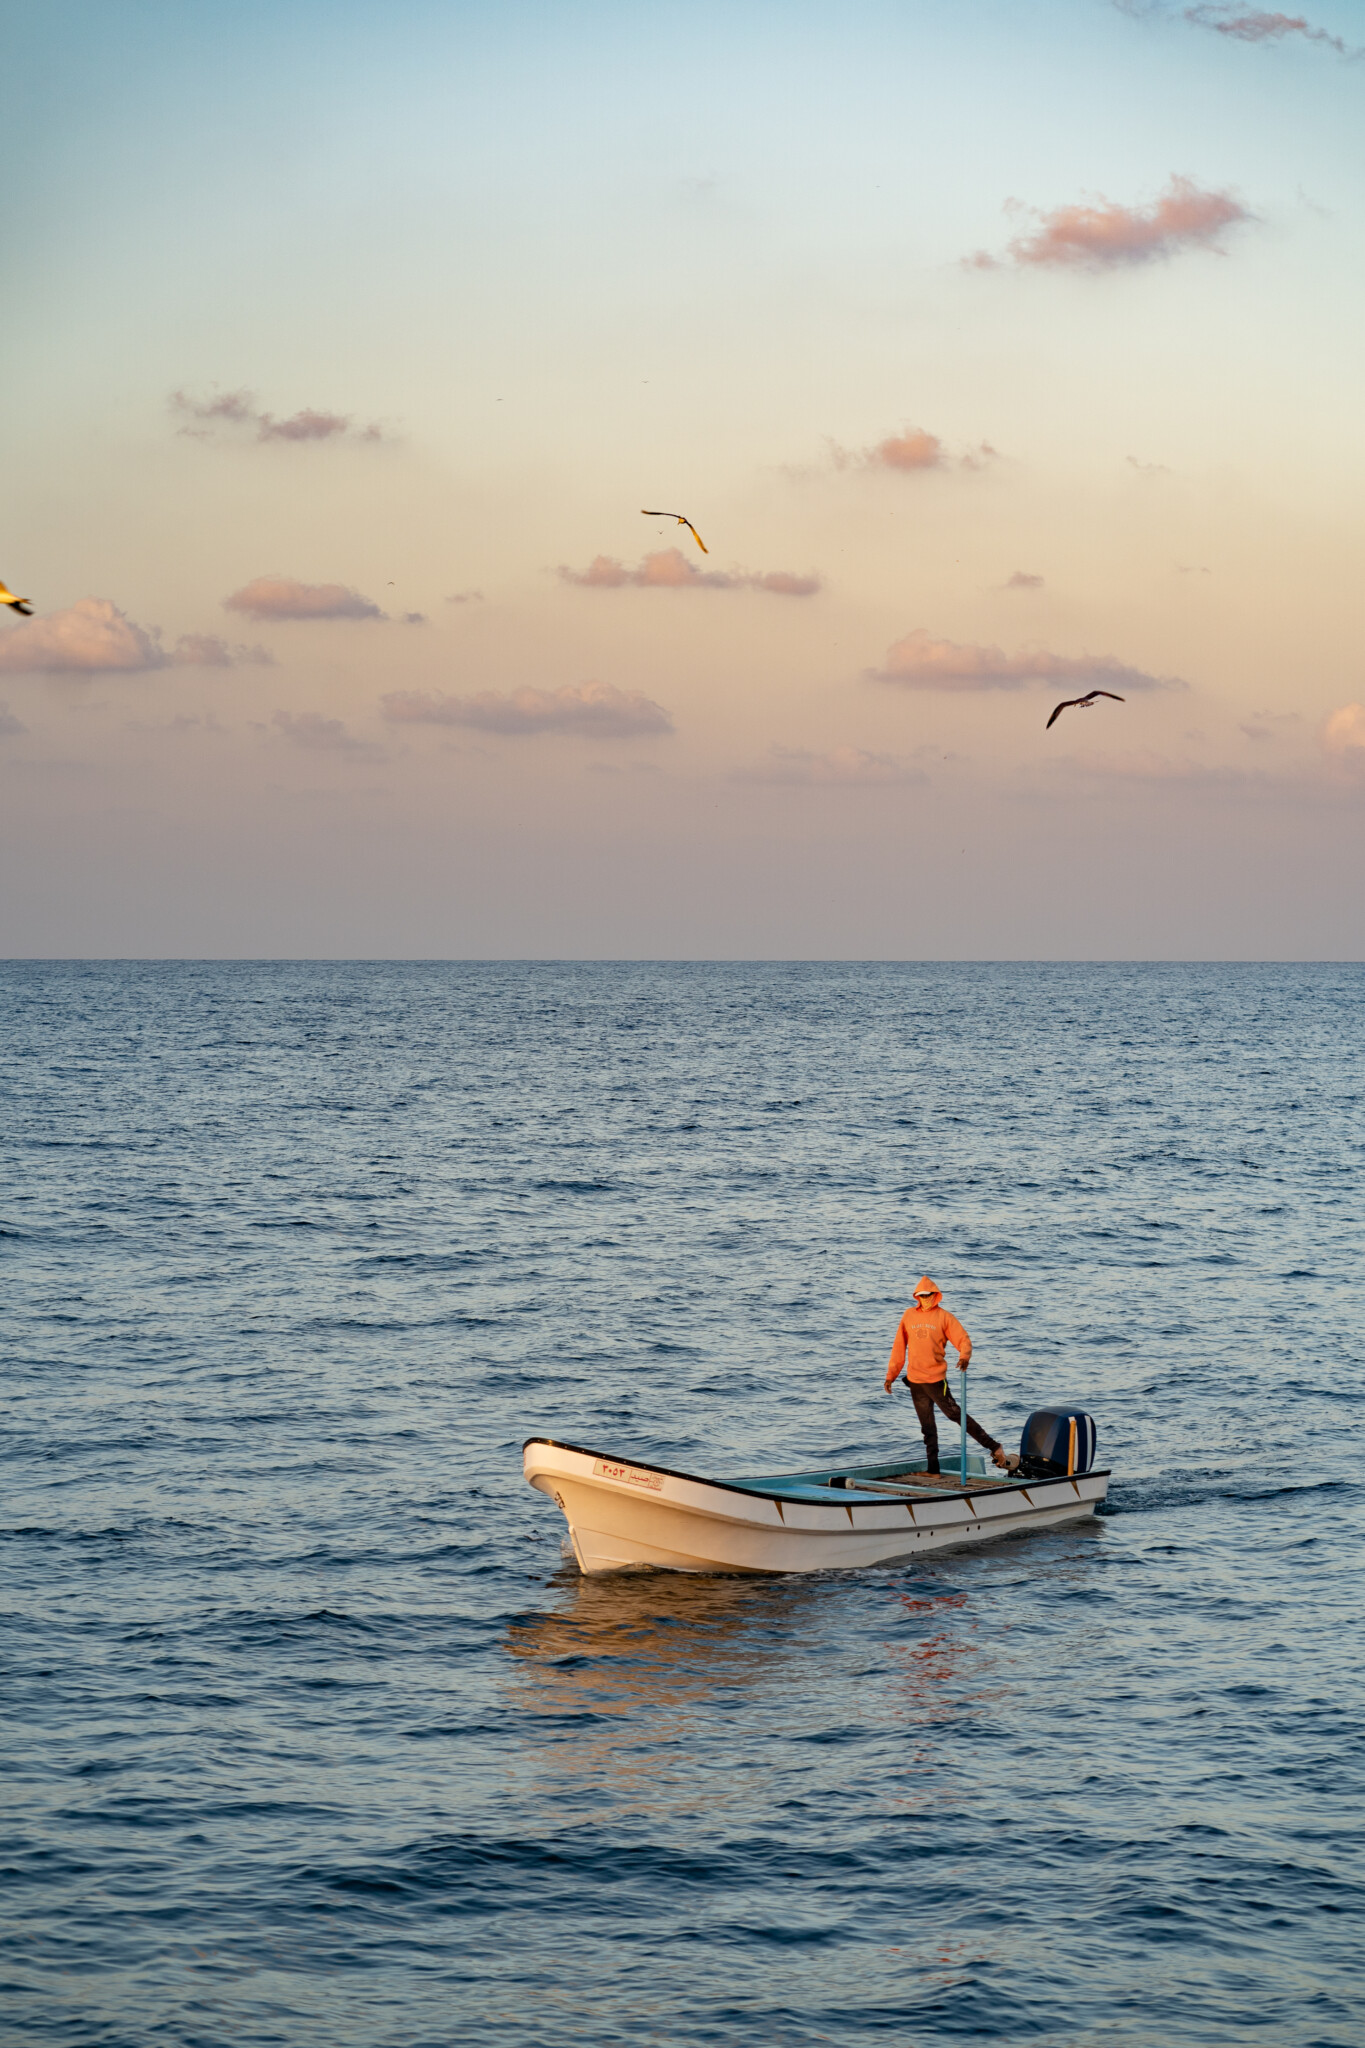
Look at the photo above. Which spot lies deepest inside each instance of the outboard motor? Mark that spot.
(1057, 1443)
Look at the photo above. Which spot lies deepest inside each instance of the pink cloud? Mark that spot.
(670, 569)
(594, 710)
(1023, 580)
(239, 409)
(10, 726)
(88, 638)
(1257, 25)
(465, 597)
(912, 450)
(1106, 235)
(281, 597)
(94, 637)
(318, 735)
(920, 662)
(1343, 738)
(840, 768)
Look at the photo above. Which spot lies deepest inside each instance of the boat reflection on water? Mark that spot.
(659, 1692)
(799, 1732)
(668, 1636)
(628, 1675)
(645, 1683)
(943, 1671)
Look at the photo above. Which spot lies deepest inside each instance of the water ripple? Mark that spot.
(317, 1738)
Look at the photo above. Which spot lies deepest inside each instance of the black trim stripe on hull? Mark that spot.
(555, 1443)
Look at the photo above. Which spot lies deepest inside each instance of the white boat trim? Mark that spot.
(624, 1512)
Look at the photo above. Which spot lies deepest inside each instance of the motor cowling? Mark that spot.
(1056, 1443)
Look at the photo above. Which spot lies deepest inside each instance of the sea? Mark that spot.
(314, 1736)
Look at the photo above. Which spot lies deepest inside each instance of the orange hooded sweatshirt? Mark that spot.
(921, 1340)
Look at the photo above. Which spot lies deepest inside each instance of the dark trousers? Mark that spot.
(926, 1399)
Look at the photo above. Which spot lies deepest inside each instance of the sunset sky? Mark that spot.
(997, 350)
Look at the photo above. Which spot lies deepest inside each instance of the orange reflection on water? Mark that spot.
(639, 1662)
(627, 1675)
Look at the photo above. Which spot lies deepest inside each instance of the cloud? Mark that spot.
(920, 662)
(234, 407)
(670, 569)
(911, 450)
(90, 637)
(1343, 738)
(281, 597)
(667, 570)
(1258, 25)
(840, 768)
(465, 597)
(10, 726)
(316, 734)
(1106, 236)
(206, 650)
(94, 637)
(303, 426)
(594, 710)
(414, 618)
(239, 409)
(1022, 579)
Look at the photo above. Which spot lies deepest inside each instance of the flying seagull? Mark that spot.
(1081, 704)
(682, 522)
(21, 604)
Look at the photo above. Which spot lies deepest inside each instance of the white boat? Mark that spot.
(623, 1512)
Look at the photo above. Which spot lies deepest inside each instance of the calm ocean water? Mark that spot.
(314, 1737)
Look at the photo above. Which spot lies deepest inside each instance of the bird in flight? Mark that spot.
(682, 522)
(21, 604)
(1081, 704)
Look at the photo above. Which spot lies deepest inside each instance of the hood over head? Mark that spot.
(928, 1294)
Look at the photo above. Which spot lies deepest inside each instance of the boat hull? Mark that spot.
(622, 1514)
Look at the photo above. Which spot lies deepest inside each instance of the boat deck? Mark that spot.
(878, 1482)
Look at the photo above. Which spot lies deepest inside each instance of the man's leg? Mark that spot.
(923, 1398)
(954, 1414)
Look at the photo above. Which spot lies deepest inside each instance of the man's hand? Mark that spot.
(891, 1383)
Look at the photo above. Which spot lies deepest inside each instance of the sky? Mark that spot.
(997, 351)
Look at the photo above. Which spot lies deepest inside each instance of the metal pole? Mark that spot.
(962, 1383)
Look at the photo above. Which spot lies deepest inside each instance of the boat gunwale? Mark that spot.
(992, 1486)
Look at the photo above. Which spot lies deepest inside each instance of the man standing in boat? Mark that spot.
(920, 1352)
